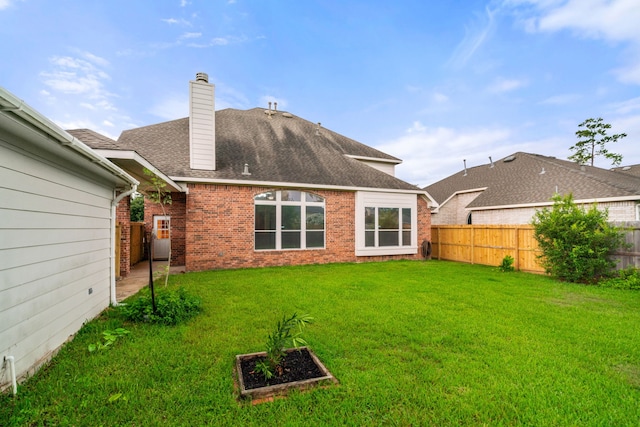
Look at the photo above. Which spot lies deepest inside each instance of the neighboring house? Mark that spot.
(509, 191)
(263, 187)
(58, 203)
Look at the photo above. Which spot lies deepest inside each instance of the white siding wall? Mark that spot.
(202, 125)
(54, 254)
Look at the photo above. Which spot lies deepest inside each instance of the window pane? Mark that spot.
(388, 238)
(315, 218)
(406, 218)
(315, 239)
(388, 218)
(290, 196)
(265, 240)
(291, 217)
(290, 239)
(269, 195)
(313, 198)
(406, 227)
(265, 217)
(370, 219)
(406, 238)
(369, 238)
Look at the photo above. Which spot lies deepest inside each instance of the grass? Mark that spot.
(412, 343)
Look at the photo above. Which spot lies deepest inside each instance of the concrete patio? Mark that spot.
(138, 278)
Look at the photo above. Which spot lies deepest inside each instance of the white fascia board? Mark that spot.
(9, 103)
(473, 190)
(374, 159)
(132, 155)
(180, 180)
(545, 204)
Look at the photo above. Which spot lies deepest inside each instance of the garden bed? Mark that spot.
(301, 370)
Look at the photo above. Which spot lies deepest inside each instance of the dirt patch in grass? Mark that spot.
(631, 373)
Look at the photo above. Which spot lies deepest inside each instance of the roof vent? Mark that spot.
(491, 161)
(509, 159)
(626, 168)
(542, 172)
(245, 171)
(202, 77)
(287, 115)
(318, 128)
(465, 167)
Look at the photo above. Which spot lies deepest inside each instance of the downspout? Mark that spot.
(12, 362)
(114, 205)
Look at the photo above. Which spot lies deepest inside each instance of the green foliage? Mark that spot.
(507, 264)
(287, 333)
(173, 306)
(137, 208)
(109, 337)
(593, 142)
(576, 244)
(624, 279)
(158, 192)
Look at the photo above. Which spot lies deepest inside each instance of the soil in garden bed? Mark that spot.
(297, 366)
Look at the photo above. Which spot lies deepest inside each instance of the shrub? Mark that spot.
(172, 306)
(507, 264)
(625, 279)
(576, 244)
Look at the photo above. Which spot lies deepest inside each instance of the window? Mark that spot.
(386, 224)
(288, 219)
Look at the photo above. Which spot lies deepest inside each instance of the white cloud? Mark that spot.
(431, 154)
(614, 21)
(502, 85)
(562, 99)
(5, 4)
(474, 39)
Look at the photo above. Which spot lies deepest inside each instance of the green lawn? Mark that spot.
(411, 342)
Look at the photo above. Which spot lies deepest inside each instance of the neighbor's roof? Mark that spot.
(525, 178)
(630, 169)
(277, 148)
(94, 139)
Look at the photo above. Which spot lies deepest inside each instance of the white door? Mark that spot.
(161, 237)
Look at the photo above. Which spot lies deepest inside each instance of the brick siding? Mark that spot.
(213, 228)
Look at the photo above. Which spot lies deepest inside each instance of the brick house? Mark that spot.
(263, 187)
(509, 191)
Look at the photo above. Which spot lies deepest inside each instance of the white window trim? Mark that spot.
(303, 203)
(385, 200)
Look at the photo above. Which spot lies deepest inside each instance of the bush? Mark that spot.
(576, 244)
(625, 279)
(507, 264)
(172, 306)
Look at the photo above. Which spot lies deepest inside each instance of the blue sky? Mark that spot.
(431, 82)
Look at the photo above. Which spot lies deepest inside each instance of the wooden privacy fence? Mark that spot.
(486, 244)
(489, 244)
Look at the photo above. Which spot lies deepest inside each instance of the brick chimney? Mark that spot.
(202, 123)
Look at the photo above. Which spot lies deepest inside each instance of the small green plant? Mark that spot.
(172, 306)
(287, 332)
(628, 278)
(109, 337)
(507, 264)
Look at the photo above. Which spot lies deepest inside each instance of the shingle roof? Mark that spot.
(276, 148)
(521, 181)
(94, 139)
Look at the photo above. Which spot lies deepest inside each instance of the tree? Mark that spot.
(576, 244)
(157, 193)
(593, 140)
(137, 208)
